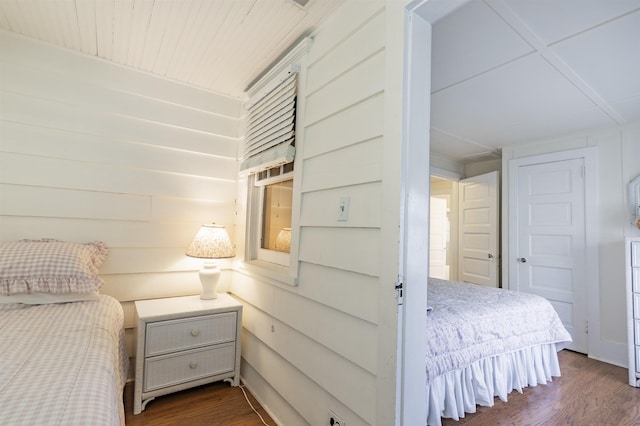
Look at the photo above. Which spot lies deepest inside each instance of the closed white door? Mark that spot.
(551, 244)
(478, 235)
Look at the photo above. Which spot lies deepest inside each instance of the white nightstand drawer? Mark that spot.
(636, 305)
(170, 336)
(183, 342)
(168, 370)
(632, 266)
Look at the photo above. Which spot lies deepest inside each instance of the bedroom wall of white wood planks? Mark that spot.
(316, 346)
(91, 150)
(94, 151)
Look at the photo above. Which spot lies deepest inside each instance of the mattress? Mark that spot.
(62, 364)
(484, 342)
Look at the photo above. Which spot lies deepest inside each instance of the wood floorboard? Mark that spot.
(215, 404)
(589, 392)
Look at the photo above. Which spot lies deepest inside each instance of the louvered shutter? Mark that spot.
(270, 136)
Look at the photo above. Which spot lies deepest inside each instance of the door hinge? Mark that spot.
(586, 327)
(400, 291)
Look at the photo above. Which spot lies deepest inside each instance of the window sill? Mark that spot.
(267, 271)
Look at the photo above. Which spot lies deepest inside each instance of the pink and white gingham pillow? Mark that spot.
(50, 266)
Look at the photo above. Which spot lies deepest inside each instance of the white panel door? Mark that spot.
(478, 235)
(551, 242)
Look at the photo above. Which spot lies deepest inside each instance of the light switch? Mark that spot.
(343, 209)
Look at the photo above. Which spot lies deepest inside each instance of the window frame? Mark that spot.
(275, 273)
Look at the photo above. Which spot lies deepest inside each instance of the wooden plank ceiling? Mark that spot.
(504, 72)
(219, 45)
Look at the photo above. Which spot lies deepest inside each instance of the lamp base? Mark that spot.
(209, 276)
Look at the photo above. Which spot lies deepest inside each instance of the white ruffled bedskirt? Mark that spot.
(457, 392)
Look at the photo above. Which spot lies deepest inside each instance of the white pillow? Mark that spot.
(50, 266)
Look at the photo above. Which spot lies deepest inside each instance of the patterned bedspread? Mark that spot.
(468, 322)
(62, 364)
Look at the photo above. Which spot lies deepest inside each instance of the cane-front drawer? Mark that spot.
(632, 266)
(181, 367)
(186, 333)
(636, 305)
(183, 342)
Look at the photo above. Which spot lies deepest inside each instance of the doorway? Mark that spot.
(411, 395)
(443, 228)
(439, 238)
(465, 229)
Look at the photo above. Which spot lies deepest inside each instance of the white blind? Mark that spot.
(270, 137)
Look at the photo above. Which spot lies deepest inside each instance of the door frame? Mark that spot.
(510, 235)
(411, 394)
(411, 376)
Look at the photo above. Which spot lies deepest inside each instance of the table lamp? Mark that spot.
(211, 242)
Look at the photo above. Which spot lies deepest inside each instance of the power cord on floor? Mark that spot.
(251, 405)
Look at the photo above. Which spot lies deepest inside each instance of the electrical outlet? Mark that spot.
(335, 420)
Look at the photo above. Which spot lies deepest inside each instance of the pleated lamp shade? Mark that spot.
(211, 242)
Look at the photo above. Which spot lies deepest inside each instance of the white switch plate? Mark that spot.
(343, 209)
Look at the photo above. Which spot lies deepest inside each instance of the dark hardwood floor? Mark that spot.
(215, 404)
(588, 393)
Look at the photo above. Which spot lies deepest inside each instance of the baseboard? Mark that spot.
(610, 352)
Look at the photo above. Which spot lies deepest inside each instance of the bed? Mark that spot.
(62, 348)
(486, 342)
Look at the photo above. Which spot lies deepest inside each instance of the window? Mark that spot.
(267, 162)
(267, 156)
(276, 219)
(273, 195)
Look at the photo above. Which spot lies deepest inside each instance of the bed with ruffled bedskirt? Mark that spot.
(485, 342)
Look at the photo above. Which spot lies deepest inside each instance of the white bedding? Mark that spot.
(62, 364)
(484, 342)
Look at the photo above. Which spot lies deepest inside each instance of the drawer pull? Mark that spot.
(195, 332)
(193, 365)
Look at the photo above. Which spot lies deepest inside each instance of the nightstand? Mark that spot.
(183, 342)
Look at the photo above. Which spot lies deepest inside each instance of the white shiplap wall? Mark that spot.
(90, 150)
(315, 347)
(141, 162)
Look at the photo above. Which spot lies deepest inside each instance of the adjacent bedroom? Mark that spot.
(524, 104)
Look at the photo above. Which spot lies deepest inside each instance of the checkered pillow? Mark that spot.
(50, 266)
